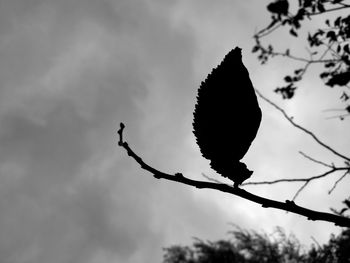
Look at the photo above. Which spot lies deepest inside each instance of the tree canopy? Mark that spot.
(252, 247)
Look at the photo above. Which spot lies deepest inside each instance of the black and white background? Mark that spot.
(71, 70)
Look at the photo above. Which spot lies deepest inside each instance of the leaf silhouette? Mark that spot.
(279, 7)
(227, 117)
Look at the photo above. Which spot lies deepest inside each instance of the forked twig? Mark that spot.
(315, 161)
(336, 183)
(295, 180)
(211, 179)
(305, 181)
(290, 119)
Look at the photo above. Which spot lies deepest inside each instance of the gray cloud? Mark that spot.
(69, 72)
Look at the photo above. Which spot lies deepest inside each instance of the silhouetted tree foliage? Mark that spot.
(222, 251)
(227, 117)
(253, 247)
(243, 246)
(328, 45)
(336, 250)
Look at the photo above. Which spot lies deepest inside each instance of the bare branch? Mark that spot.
(211, 179)
(345, 6)
(309, 179)
(315, 161)
(267, 30)
(336, 183)
(342, 116)
(308, 61)
(290, 119)
(296, 180)
(300, 189)
(288, 205)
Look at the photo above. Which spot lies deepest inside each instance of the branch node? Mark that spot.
(120, 132)
(291, 203)
(157, 176)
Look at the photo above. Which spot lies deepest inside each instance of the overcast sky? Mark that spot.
(71, 70)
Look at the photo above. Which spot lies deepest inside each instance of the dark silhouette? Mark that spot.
(245, 246)
(226, 121)
(227, 117)
(242, 246)
(327, 44)
(279, 7)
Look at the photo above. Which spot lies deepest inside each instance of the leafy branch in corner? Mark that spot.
(328, 45)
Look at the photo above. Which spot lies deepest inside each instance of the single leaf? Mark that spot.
(293, 32)
(332, 36)
(288, 79)
(227, 117)
(279, 7)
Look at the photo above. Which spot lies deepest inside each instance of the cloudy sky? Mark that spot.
(71, 70)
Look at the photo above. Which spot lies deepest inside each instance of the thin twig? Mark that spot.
(290, 119)
(336, 183)
(296, 58)
(300, 189)
(314, 239)
(330, 10)
(338, 116)
(315, 161)
(309, 61)
(267, 30)
(295, 180)
(288, 205)
(211, 179)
